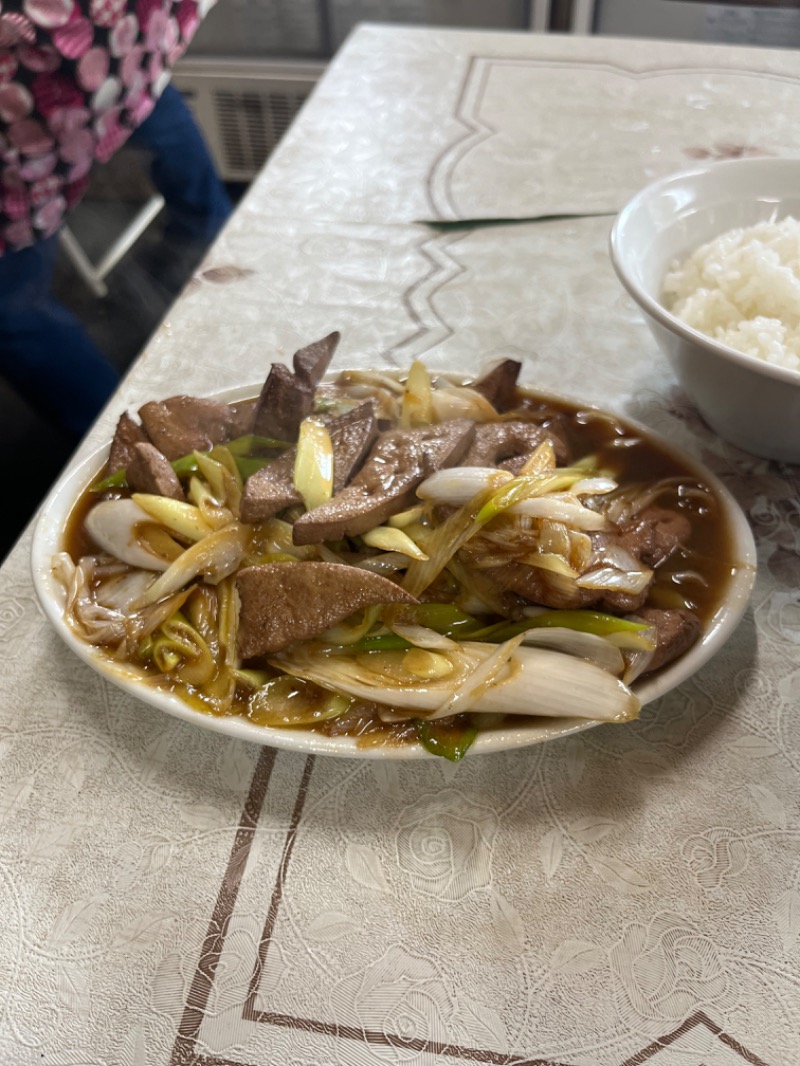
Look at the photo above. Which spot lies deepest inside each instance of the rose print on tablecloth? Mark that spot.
(219, 980)
(444, 844)
(402, 996)
(776, 519)
(20, 622)
(716, 856)
(665, 971)
(784, 565)
(10, 613)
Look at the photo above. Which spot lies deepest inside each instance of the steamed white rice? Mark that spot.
(743, 289)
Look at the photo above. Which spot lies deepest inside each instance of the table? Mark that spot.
(629, 895)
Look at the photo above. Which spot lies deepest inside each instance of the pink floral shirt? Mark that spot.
(76, 78)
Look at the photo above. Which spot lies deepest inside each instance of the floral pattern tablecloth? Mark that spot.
(629, 895)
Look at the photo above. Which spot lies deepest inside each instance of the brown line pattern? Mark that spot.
(393, 1040)
(476, 132)
(436, 269)
(249, 1011)
(213, 1060)
(183, 1053)
(697, 1019)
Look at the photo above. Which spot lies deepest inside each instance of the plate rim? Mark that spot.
(58, 504)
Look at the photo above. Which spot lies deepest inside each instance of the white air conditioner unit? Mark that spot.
(244, 106)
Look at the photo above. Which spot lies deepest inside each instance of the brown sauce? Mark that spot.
(696, 575)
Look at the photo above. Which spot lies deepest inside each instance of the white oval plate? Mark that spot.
(48, 540)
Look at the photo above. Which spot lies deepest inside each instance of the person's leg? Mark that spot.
(45, 353)
(183, 172)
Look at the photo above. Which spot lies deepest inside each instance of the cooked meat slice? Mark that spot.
(282, 405)
(510, 444)
(676, 631)
(150, 471)
(242, 415)
(499, 385)
(537, 586)
(182, 424)
(126, 435)
(287, 398)
(271, 489)
(386, 483)
(654, 534)
(532, 584)
(311, 362)
(622, 602)
(285, 602)
(352, 435)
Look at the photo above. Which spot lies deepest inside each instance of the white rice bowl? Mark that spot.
(743, 290)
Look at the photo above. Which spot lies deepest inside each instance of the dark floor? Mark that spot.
(120, 324)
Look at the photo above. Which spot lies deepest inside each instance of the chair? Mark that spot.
(94, 274)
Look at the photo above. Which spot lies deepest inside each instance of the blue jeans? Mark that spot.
(45, 353)
(183, 172)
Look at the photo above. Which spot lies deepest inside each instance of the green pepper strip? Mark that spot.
(183, 467)
(113, 481)
(251, 442)
(187, 464)
(448, 741)
(443, 618)
(380, 642)
(241, 449)
(248, 466)
(584, 621)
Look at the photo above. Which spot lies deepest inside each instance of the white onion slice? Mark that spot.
(595, 649)
(423, 637)
(561, 509)
(611, 579)
(112, 525)
(457, 485)
(536, 681)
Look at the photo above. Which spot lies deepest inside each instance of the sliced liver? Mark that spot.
(182, 424)
(510, 444)
(288, 397)
(387, 482)
(499, 385)
(127, 434)
(285, 602)
(271, 489)
(242, 413)
(150, 471)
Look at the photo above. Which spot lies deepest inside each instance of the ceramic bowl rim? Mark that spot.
(657, 310)
(48, 538)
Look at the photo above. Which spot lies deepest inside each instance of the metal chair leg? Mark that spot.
(94, 274)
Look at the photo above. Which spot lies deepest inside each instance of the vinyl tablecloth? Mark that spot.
(628, 895)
